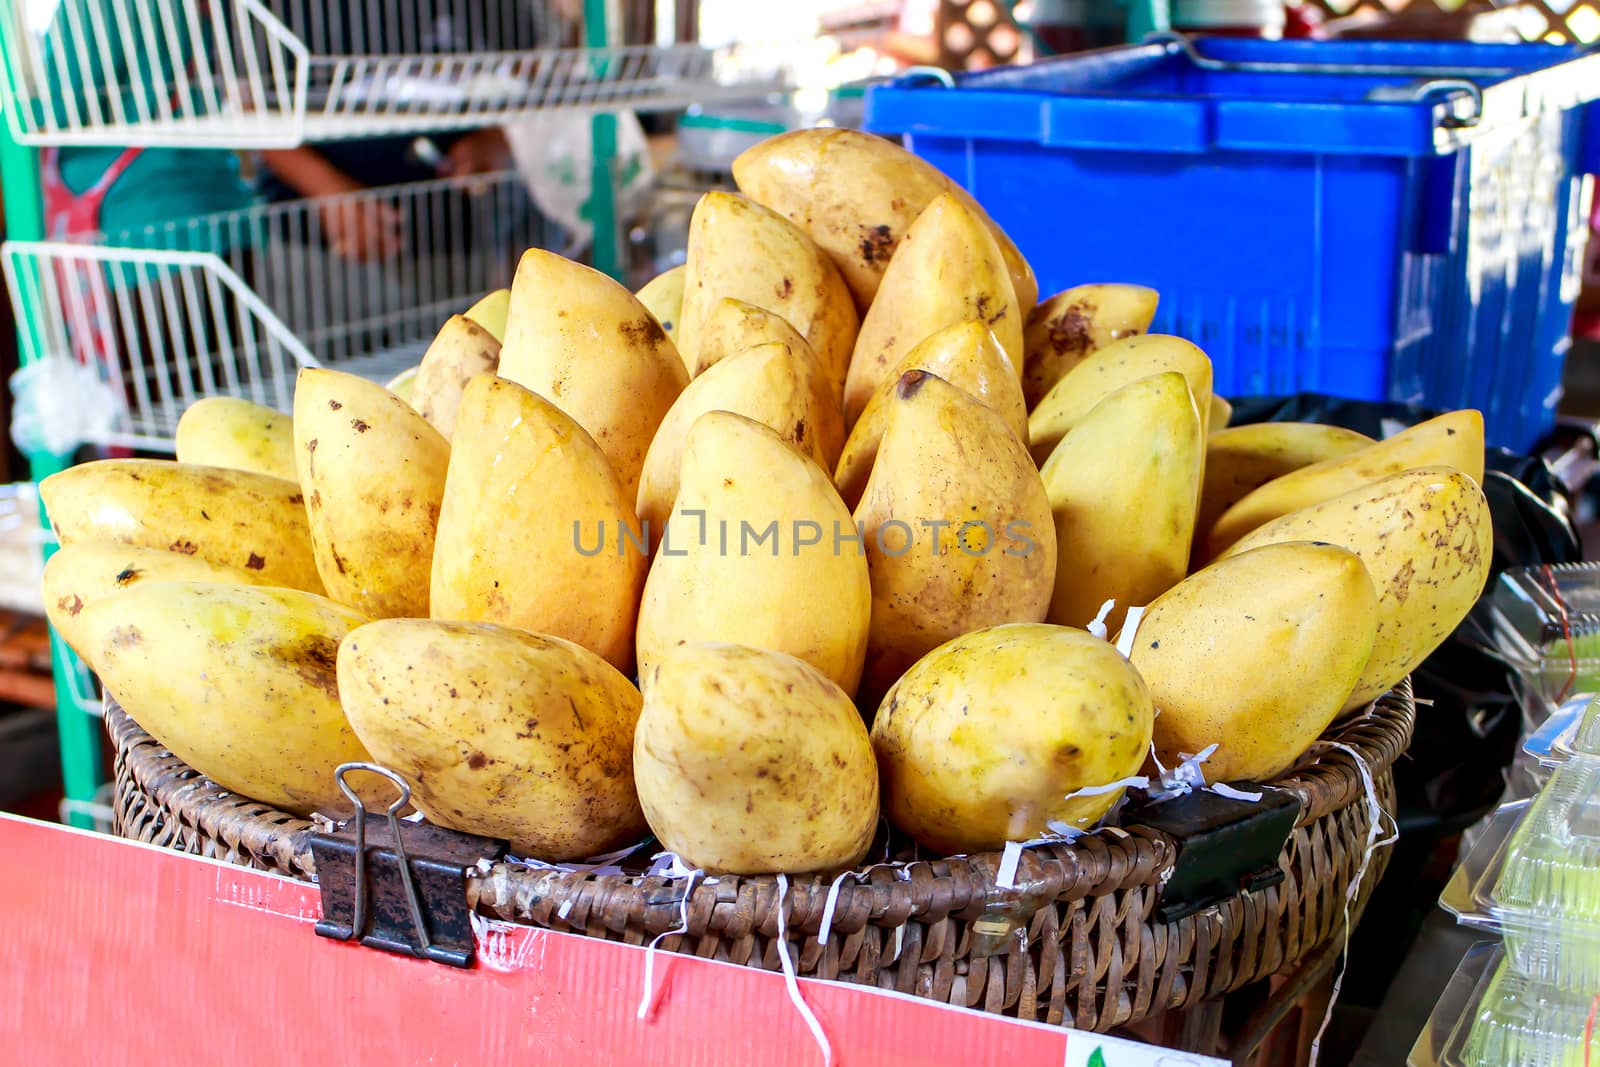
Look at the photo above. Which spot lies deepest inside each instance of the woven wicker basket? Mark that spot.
(1095, 956)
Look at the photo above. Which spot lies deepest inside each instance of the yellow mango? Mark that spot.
(1106, 371)
(79, 575)
(753, 555)
(1240, 459)
(1454, 440)
(956, 524)
(856, 195)
(769, 383)
(663, 297)
(752, 762)
(535, 531)
(739, 249)
(460, 351)
(584, 343)
(235, 518)
(1256, 653)
(225, 431)
(968, 357)
(982, 741)
(491, 313)
(238, 682)
(1122, 488)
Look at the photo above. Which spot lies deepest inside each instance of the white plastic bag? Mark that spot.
(554, 151)
(59, 404)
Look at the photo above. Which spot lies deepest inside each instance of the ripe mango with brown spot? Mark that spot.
(1427, 540)
(234, 518)
(240, 683)
(373, 471)
(982, 741)
(460, 351)
(968, 357)
(499, 732)
(662, 296)
(947, 270)
(957, 528)
(856, 195)
(77, 576)
(752, 762)
(1066, 329)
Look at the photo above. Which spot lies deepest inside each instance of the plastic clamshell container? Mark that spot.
(1533, 877)
(1545, 621)
(1556, 741)
(1491, 1016)
(1315, 226)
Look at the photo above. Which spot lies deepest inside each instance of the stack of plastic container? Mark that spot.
(1530, 876)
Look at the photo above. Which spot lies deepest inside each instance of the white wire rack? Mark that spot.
(277, 73)
(235, 303)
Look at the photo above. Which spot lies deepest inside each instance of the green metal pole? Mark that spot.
(78, 734)
(606, 252)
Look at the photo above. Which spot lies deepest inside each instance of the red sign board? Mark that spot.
(119, 953)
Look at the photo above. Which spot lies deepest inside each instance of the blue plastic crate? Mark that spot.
(1311, 230)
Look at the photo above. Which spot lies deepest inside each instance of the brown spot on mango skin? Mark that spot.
(359, 426)
(334, 405)
(71, 605)
(877, 244)
(910, 383)
(255, 562)
(642, 333)
(187, 548)
(1069, 331)
(477, 761)
(314, 659)
(784, 288)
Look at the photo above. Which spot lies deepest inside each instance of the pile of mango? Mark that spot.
(835, 521)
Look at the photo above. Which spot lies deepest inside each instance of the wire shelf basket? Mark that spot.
(278, 73)
(234, 304)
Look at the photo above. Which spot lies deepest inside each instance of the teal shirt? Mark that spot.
(163, 184)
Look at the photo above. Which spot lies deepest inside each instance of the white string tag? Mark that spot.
(1223, 789)
(1098, 625)
(791, 983)
(596, 865)
(1005, 875)
(828, 905)
(1375, 814)
(669, 865)
(1129, 632)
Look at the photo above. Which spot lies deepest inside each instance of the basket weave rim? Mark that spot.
(1326, 780)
